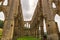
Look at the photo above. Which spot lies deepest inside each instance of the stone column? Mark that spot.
(41, 28)
(57, 29)
(18, 30)
(15, 35)
(52, 31)
(8, 29)
(8, 26)
(49, 17)
(9, 21)
(37, 32)
(42, 32)
(20, 21)
(32, 32)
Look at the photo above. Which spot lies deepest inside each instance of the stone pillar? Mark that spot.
(52, 32)
(9, 21)
(32, 32)
(20, 23)
(8, 26)
(49, 17)
(37, 32)
(15, 35)
(42, 32)
(18, 30)
(57, 30)
(8, 29)
(41, 28)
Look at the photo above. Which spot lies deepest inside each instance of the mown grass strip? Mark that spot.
(27, 38)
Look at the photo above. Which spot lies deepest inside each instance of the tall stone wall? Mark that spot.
(19, 24)
(14, 22)
(9, 20)
(45, 11)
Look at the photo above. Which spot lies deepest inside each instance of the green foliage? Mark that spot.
(1, 24)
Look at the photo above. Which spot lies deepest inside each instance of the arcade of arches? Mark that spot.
(14, 22)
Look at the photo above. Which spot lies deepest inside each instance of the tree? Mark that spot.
(1, 23)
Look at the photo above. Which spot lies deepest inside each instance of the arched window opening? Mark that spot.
(2, 16)
(5, 3)
(57, 19)
(39, 31)
(44, 25)
(24, 25)
(39, 27)
(29, 26)
(53, 5)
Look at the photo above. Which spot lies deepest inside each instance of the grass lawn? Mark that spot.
(27, 38)
(0, 32)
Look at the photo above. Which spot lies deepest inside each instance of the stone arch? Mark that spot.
(2, 15)
(27, 23)
(27, 29)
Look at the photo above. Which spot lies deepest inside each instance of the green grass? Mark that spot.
(27, 38)
(1, 32)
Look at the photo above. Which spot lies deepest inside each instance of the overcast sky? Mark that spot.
(28, 7)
